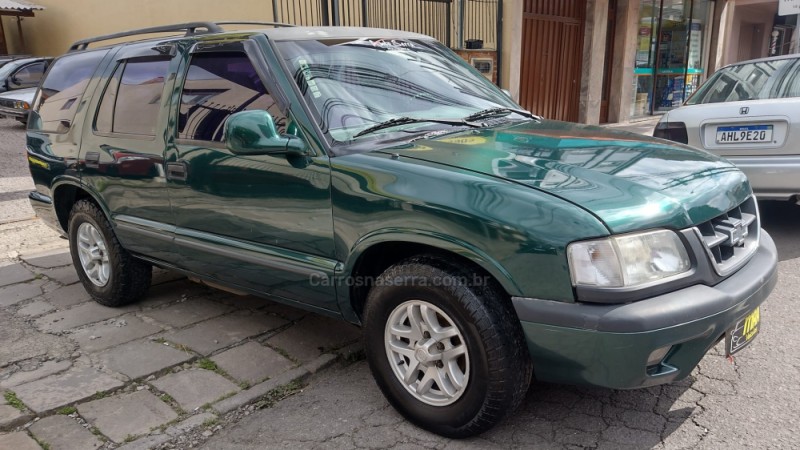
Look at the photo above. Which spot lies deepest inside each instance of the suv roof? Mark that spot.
(306, 33)
(280, 31)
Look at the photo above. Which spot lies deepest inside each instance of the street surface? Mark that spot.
(752, 403)
(59, 349)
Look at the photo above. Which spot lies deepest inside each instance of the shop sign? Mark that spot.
(787, 7)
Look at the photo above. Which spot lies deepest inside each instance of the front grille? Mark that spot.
(732, 238)
(6, 103)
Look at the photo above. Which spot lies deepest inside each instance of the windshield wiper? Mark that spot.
(500, 112)
(397, 121)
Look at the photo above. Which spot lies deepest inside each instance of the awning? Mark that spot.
(18, 8)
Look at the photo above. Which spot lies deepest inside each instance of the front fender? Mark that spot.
(517, 234)
(437, 240)
(412, 236)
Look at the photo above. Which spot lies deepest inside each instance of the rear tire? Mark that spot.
(419, 314)
(108, 272)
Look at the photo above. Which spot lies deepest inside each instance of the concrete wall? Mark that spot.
(512, 46)
(594, 61)
(749, 31)
(625, 41)
(65, 21)
(468, 55)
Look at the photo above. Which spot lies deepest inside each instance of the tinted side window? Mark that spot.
(789, 84)
(131, 102)
(63, 88)
(218, 85)
(105, 112)
(30, 74)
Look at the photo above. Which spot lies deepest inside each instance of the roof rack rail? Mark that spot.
(190, 28)
(274, 24)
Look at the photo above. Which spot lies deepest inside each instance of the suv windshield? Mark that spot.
(356, 84)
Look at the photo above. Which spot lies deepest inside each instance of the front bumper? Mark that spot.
(772, 177)
(19, 114)
(608, 345)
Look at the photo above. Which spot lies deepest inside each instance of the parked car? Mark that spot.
(374, 176)
(748, 112)
(17, 104)
(5, 59)
(23, 73)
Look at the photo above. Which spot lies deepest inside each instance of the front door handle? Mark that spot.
(176, 171)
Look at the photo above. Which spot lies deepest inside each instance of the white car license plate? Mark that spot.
(747, 134)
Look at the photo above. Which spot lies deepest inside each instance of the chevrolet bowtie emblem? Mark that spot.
(735, 230)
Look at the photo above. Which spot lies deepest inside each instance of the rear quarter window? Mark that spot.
(62, 90)
(132, 99)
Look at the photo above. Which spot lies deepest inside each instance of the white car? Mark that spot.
(748, 112)
(17, 104)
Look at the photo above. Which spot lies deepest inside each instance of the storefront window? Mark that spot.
(671, 52)
(645, 58)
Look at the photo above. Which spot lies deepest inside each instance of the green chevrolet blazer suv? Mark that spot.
(372, 175)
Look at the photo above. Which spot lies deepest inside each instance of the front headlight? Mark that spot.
(627, 260)
(22, 105)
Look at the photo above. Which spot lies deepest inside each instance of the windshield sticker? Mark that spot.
(312, 85)
(465, 140)
(383, 44)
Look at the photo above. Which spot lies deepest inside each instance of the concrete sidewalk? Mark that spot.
(75, 374)
(641, 126)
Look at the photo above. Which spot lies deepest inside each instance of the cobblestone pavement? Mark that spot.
(75, 374)
(753, 402)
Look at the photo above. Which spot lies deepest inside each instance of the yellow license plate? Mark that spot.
(743, 332)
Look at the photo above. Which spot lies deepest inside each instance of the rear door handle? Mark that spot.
(176, 171)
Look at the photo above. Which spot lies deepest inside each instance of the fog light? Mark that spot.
(658, 355)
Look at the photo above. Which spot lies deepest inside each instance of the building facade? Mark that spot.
(598, 61)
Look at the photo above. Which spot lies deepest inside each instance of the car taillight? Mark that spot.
(673, 131)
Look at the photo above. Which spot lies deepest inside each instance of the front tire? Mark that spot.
(445, 346)
(108, 272)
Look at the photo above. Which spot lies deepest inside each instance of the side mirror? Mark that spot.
(254, 133)
(15, 80)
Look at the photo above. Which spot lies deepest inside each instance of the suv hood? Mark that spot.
(630, 182)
